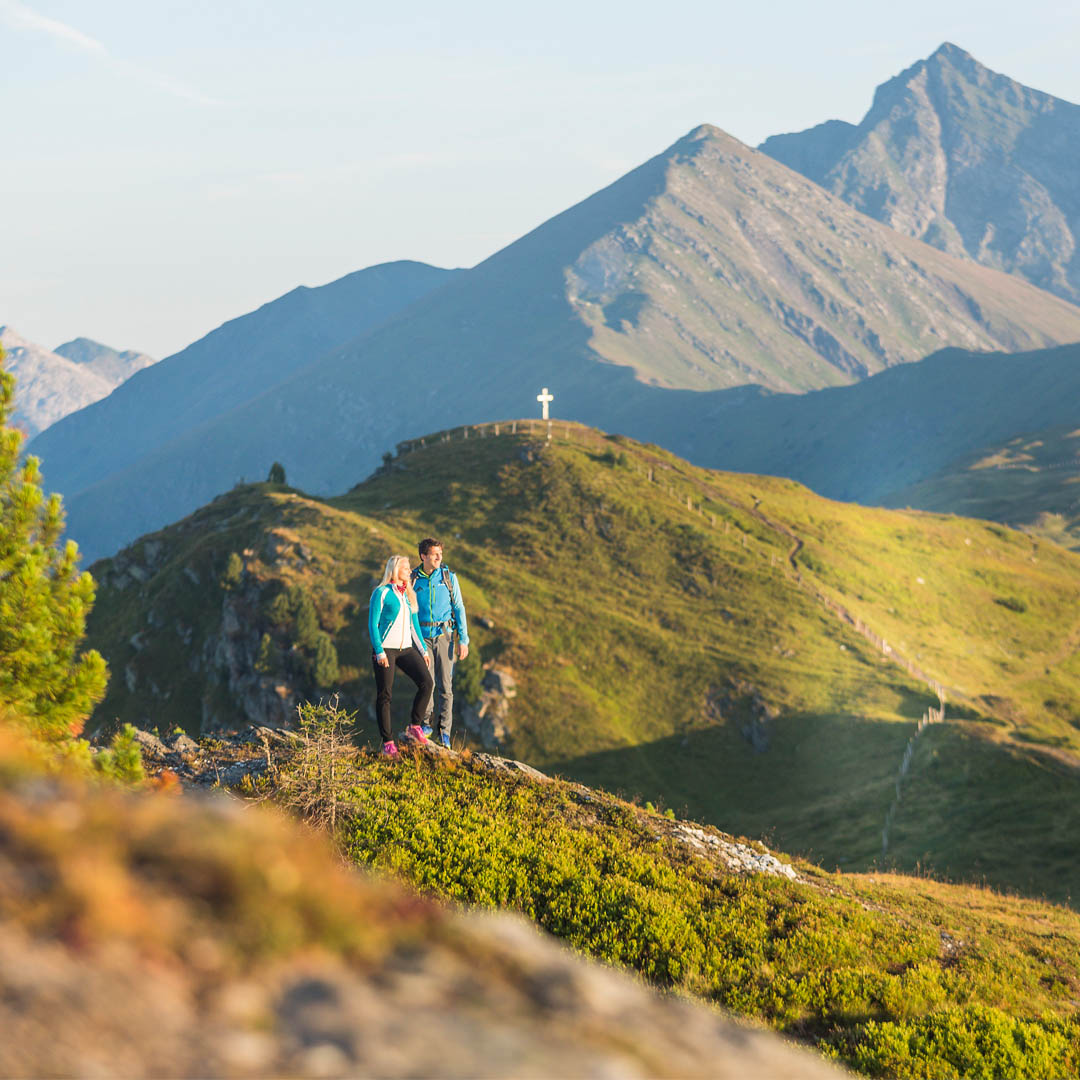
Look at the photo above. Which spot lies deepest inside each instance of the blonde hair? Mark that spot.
(388, 573)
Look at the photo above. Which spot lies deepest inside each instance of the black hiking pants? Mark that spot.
(413, 664)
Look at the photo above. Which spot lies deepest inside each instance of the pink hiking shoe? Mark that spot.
(416, 733)
(390, 750)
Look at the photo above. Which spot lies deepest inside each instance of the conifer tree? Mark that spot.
(44, 600)
(269, 657)
(326, 669)
(307, 624)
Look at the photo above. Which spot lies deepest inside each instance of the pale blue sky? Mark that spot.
(169, 165)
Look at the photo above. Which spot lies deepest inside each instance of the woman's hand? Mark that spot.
(381, 660)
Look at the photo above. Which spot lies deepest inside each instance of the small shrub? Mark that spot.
(269, 657)
(234, 572)
(277, 473)
(122, 761)
(327, 670)
(1012, 603)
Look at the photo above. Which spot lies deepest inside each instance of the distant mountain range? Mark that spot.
(237, 362)
(710, 266)
(51, 384)
(966, 159)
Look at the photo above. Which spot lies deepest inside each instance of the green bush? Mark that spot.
(269, 657)
(977, 1042)
(234, 572)
(326, 670)
(122, 761)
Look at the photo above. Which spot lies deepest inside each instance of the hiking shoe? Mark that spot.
(445, 740)
(390, 749)
(426, 729)
(416, 733)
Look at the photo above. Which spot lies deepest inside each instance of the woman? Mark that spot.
(396, 642)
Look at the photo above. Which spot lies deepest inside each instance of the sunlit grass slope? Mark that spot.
(899, 977)
(662, 641)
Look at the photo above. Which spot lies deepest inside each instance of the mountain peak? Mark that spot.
(948, 51)
(705, 131)
(80, 350)
(964, 158)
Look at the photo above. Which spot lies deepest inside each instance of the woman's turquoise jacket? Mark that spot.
(383, 611)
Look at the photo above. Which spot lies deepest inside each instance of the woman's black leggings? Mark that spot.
(413, 664)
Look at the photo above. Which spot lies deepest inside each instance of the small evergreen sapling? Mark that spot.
(44, 599)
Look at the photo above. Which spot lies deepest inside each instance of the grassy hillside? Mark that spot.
(899, 977)
(1031, 481)
(689, 637)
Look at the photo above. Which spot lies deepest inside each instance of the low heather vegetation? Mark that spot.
(895, 977)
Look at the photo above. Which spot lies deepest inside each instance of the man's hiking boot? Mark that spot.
(445, 740)
(426, 729)
(390, 750)
(416, 733)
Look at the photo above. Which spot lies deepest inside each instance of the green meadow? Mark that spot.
(683, 635)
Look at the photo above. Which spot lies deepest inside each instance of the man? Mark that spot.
(442, 614)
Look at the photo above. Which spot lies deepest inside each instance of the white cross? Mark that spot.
(544, 397)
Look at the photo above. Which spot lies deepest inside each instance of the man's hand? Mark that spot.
(463, 650)
(381, 660)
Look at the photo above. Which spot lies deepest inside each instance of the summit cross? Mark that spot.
(544, 397)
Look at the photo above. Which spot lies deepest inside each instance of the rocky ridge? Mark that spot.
(240, 760)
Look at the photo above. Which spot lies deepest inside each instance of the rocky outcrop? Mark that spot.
(263, 699)
(488, 718)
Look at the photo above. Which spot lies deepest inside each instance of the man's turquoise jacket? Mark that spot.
(437, 600)
(382, 611)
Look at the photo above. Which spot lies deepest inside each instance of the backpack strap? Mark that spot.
(447, 580)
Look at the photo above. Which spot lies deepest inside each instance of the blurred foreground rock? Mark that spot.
(172, 936)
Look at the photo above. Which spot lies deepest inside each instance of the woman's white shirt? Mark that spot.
(399, 636)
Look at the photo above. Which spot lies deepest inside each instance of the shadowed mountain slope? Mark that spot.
(712, 639)
(224, 369)
(709, 266)
(964, 158)
(1031, 481)
(870, 441)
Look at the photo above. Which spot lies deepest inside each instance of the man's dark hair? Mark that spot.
(427, 544)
